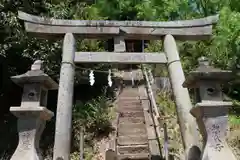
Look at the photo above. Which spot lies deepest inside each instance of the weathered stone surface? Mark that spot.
(181, 95)
(35, 76)
(30, 130)
(129, 108)
(65, 100)
(132, 140)
(216, 147)
(131, 114)
(32, 114)
(133, 149)
(118, 57)
(110, 155)
(211, 111)
(128, 98)
(129, 126)
(212, 121)
(186, 29)
(131, 120)
(131, 102)
(131, 131)
(96, 23)
(134, 157)
(130, 95)
(153, 139)
(205, 73)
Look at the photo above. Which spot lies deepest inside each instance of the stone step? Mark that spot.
(131, 120)
(136, 149)
(130, 90)
(129, 93)
(129, 126)
(133, 157)
(130, 102)
(129, 109)
(132, 140)
(124, 130)
(127, 98)
(126, 106)
(124, 103)
(131, 114)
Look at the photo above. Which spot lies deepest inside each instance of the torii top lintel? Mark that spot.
(196, 29)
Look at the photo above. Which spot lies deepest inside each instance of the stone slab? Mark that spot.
(131, 114)
(132, 140)
(27, 112)
(133, 131)
(129, 109)
(131, 120)
(118, 57)
(136, 149)
(133, 157)
(131, 102)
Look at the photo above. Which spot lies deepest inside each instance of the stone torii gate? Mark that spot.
(197, 29)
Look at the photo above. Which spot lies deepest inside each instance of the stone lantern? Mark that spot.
(32, 114)
(210, 111)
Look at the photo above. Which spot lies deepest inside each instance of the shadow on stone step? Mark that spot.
(110, 155)
(194, 153)
(156, 157)
(136, 82)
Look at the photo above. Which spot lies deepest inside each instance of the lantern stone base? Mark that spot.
(216, 147)
(31, 123)
(213, 121)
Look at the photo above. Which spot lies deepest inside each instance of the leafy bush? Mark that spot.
(94, 118)
(93, 115)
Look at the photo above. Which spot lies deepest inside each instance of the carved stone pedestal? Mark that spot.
(216, 147)
(31, 124)
(213, 121)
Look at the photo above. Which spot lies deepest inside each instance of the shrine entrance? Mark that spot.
(120, 31)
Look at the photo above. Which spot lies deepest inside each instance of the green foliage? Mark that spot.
(94, 118)
(234, 120)
(225, 49)
(93, 115)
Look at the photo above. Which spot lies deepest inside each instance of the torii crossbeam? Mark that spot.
(147, 30)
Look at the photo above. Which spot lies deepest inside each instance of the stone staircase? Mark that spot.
(132, 140)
